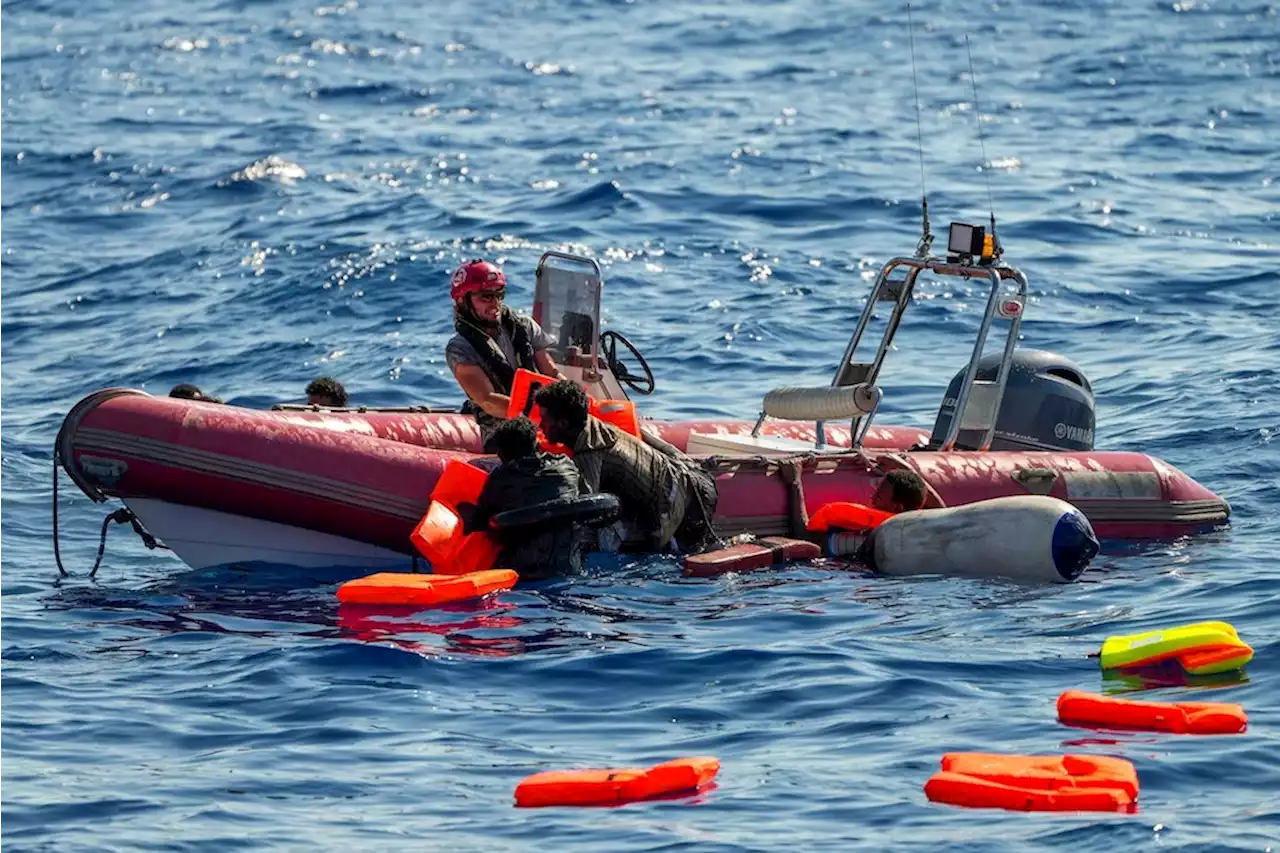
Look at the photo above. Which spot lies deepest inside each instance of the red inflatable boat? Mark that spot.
(307, 487)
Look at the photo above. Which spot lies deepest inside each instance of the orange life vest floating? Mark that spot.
(617, 786)
(439, 536)
(403, 588)
(847, 516)
(1057, 783)
(1183, 718)
(1202, 648)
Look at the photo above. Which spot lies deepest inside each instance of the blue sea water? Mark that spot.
(245, 195)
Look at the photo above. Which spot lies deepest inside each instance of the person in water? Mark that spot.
(528, 476)
(187, 391)
(666, 499)
(900, 490)
(491, 343)
(326, 391)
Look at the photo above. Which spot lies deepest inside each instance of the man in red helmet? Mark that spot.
(491, 343)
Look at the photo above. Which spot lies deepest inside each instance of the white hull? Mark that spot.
(205, 538)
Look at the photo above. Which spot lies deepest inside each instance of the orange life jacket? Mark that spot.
(616, 786)
(841, 515)
(1034, 782)
(405, 588)
(620, 413)
(1185, 718)
(439, 536)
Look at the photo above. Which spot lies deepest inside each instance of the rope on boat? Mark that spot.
(57, 553)
(736, 464)
(121, 516)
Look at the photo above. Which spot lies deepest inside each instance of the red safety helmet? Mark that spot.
(475, 276)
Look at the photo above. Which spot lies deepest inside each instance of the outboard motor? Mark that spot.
(1048, 405)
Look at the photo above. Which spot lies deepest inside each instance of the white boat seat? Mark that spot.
(827, 403)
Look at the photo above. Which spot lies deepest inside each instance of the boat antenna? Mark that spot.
(926, 235)
(982, 141)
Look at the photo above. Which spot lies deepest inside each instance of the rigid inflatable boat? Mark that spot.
(310, 487)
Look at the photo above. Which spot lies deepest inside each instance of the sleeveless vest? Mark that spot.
(494, 363)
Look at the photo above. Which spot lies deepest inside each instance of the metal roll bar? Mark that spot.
(899, 292)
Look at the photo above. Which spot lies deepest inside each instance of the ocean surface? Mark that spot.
(246, 195)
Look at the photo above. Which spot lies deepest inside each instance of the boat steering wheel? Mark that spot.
(641, 384)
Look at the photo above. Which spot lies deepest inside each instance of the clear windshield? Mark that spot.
(567, 303)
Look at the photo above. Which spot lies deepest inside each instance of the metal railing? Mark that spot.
(899, 292)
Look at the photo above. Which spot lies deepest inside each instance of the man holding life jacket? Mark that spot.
(529, 476)
(491, 343)
(666, 499)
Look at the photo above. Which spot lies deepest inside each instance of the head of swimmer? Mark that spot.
(187, 391)
(563, 407)
(326, 391)
(900, 491)
(516, 439)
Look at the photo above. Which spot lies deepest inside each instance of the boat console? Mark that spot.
(566, 304)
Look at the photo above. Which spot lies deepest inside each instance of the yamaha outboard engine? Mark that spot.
(1047, 405)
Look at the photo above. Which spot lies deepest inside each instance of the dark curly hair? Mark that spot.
(909, 489)
(516, 439)
(329, 388)
(565, 401)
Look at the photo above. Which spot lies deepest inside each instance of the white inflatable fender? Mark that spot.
(1028, 538)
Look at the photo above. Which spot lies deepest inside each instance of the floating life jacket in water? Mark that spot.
(1034, 783)
(1202, 648)
(1182, 718)
(405, 588)
(616, 786)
